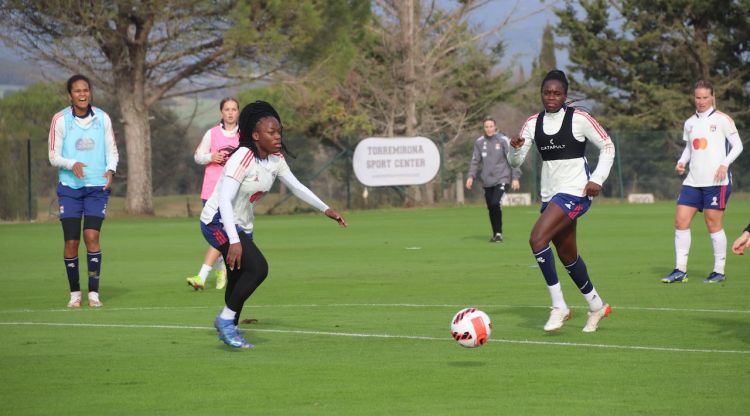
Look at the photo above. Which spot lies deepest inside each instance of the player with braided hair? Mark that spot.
(227, 218)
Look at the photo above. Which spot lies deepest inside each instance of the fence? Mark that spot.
(644, 165)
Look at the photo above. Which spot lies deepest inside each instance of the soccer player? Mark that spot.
(82, 146)
(708, 184)
(213, 151)
(560, 133)
(491, 150)
(227, 218)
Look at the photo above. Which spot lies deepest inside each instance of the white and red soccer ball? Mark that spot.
(471, 327)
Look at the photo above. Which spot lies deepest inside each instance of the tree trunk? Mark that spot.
(138, 146)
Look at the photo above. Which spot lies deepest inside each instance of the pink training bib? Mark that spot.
(219, 143)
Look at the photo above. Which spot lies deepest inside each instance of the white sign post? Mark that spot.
(379, 161)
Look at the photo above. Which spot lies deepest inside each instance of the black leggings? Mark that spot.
(492, 197)
(242, 282)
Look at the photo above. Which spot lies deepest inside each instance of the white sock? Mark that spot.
(227, 313)
(681, 248)
(94, 295)
(555, 292)
(219, 264)
(205, 270)
(75, 295)
(594, 300)
(719, 241)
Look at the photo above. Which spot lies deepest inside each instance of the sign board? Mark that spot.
(641, 198)
(512, 199)
(394, 161)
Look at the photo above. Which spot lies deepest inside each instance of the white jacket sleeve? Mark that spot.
(202, 154)
(599, 138)
(736, 142)
(56, 137)
(110, 145)
(229, 189)
(301, 191)
(517, 156)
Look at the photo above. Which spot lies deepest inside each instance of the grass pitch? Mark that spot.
(356, 321)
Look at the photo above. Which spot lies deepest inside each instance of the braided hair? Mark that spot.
(250, 116)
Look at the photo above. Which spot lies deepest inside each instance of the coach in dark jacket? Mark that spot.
(491, 152)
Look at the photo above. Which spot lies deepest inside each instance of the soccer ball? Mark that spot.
(471, 327)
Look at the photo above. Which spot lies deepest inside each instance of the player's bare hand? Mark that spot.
(218, 157)
(515, 185)
(469, 183)
(78, 169)
(332, 214)
(234, 255)
(592, 189)
(741, 244)
(721, 173)
(109, 175)
(680, 168)
(517, 142)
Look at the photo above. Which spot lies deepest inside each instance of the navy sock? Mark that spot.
(580, 275)
(71, 267)
(95, 264)
(546, 262)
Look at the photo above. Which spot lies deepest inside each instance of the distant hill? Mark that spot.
(14, 72)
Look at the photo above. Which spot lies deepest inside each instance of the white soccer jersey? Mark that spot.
(568, 176)
(707, 135)
(255, 178)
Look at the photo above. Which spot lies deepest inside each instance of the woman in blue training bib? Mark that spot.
(560, 133)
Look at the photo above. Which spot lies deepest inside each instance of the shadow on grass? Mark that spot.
(735, 328)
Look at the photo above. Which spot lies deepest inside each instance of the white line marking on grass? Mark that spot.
(390, 336)
(380, 305)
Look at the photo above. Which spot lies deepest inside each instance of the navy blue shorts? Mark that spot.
(705, 197)
(89, 201)
(573, 206)
(216, 236)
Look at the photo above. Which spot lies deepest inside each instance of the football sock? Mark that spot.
(580, 275)
(555, 293)
(546, 262)
(681, 248)
(719, 242)
(219, 263)
(203, 274)
(594, 300)
(94, 264)
(227, 313)
(71, 268)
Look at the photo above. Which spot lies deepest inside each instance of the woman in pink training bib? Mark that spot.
(213, 151)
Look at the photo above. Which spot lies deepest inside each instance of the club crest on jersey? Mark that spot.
(712, 128)
(497, 146)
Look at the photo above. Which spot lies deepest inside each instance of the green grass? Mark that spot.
(356, 321)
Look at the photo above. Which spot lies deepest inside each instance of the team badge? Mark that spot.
(713, 128)
(497, 146)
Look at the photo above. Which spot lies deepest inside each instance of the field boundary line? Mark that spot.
(385, 305)
(390, 336)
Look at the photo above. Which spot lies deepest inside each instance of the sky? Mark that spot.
(522, 36)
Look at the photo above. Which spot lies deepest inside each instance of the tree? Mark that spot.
(634, 56)
(639, 59)
(418, 69)
(145, 51)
